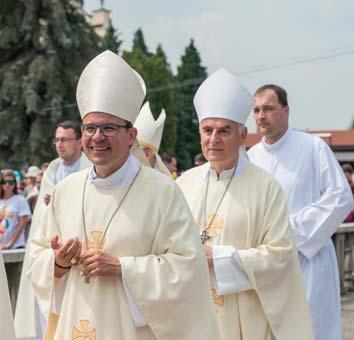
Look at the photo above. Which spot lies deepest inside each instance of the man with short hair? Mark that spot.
(318, 198)
(241, 210)
(149, 136)
(118, 247)
(171, 163)
(29, 322)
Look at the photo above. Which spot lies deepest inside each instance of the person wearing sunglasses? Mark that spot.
(14, 213)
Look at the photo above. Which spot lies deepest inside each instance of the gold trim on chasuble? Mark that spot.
(217, 223)
(96, 243)
(84, 333)
(218, 299)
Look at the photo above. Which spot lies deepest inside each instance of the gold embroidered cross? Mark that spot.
(218, 299)
(96, 243)
(216, 222)
(84, 333)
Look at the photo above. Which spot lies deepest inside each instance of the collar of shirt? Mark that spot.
(226, 174)
(120, 178)
(279, 143)
(70, 168)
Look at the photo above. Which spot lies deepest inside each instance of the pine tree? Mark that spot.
(44, 45)
(157, 74)
(139, 42)
(191, 70)
(164, 98)
(111, 39)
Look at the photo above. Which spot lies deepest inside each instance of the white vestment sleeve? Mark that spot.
(138, 318)
(58, 293)
(229, 272)
(314, 224)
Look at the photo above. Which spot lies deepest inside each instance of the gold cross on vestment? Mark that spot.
(218, 299)
(84, 333)
(213, 222)
(96, 243)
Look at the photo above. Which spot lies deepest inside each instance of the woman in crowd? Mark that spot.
(14, 213)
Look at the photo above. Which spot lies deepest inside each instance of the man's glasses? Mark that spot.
(62, 140)
(108, 130)
(8, 181)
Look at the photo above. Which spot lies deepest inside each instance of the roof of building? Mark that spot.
(337, 139)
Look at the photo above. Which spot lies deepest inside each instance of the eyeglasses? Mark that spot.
(108, 130)
(62, 140)
(8, 181)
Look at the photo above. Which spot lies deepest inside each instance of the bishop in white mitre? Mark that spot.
(318, 197)
(118, 255)
(150, 135)
(243, 219)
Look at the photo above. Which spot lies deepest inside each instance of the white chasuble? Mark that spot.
(29, 323)
(319, 198)
(154, 236)
(253, 221)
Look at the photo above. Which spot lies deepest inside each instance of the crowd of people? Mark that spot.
(121, 246)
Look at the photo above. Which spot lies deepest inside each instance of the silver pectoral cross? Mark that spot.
(86, 277)
(204, 237)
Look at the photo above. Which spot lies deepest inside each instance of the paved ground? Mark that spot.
(348, 316)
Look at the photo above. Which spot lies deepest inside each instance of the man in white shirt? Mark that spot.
(29, 323)
(318, 198)
(244, 223)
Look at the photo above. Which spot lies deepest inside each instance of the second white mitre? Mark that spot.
(221, 95)
(149, 129)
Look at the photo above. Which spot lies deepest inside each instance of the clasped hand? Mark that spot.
(94, 263)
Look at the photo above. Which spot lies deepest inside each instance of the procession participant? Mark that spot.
(244, 222)
(6, 319)
(149, 136)
(29, 321)
(318, 198)
(141, 252)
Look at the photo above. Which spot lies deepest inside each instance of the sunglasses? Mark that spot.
(8, 181)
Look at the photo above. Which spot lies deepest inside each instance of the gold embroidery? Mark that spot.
(84, 333)
(96, 243)
(218, 222)
(218, 299)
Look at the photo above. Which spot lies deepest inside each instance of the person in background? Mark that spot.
(14, 213)
(30, 176)
(171, 163)
(70, 159)
(199, 159)
(149, 136)
(348, 172)
(318, 197)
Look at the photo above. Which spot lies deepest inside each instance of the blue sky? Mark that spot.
(246, 36)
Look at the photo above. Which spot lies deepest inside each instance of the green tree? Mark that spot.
(163, 95)
(111, 39)
(139, 42)
(44, 45)
(190, 73)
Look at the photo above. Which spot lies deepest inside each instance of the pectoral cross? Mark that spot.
(84, 333)
(205, 237)
(96, 244)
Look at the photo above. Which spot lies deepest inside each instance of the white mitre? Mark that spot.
(221, 95)
(108, 84)
(149, 130)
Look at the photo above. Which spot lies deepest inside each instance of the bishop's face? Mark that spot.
(107, 153)
(270, 116)
(220, 141)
